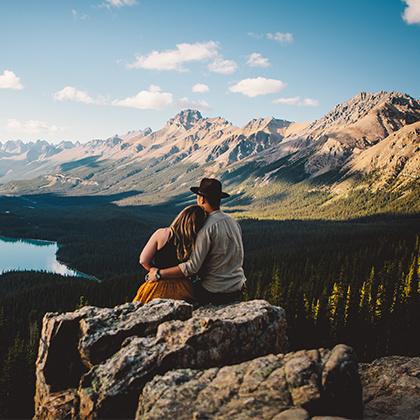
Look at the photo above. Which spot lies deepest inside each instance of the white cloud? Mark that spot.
(31, 127)
(258, 60)
(222, 66)
(119, 3)
(287, 101)
(296, 101)
(200, 88)
(255, 35)
(9, 80)
(153, 98)
(258, 86)
(184, 103)
(282, 37)
(174, 59)
(411, 14)
(70, 93)
(310, 102)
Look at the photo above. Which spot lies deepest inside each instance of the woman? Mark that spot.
(168, 247)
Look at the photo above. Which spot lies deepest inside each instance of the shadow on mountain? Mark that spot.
(90, 162)
(327, 178)
(238, 199)
(57, 200)
(284, 170)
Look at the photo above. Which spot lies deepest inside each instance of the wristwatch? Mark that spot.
(158, 276)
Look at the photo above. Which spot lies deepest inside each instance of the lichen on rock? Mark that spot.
(164, 359)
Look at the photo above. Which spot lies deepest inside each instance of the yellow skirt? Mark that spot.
(165, 289)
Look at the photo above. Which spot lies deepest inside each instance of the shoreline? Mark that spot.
(77, 273)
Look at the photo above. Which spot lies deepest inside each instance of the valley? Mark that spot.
(329, 212)
(361, 158)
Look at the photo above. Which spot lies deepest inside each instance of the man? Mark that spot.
(218, 252)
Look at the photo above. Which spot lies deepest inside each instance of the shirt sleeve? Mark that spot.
(198, 255)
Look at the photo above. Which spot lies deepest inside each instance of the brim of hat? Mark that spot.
(196, 190)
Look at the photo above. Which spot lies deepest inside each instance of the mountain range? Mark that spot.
(360, 158)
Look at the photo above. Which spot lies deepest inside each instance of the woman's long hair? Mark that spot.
(184, 230)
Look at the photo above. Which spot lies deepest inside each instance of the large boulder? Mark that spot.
(391, 388)
(318, 382)
(103, 333)
(72, 342)
(165, 360)
(212, 337)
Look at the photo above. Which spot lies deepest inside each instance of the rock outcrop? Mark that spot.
(165, 359)
(94, 362)
(318, 381)
(391, 388)
(72, 342)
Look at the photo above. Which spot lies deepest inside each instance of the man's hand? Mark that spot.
(151, 276)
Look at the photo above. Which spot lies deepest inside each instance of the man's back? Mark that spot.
(218, 255)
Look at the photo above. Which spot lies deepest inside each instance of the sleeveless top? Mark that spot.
(166, 256)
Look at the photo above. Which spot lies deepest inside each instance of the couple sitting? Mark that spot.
(199, 257)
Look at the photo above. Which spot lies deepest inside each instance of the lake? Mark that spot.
(32, 254)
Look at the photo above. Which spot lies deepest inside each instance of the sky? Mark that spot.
(84, 69)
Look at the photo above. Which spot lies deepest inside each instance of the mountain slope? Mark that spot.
(369, 141)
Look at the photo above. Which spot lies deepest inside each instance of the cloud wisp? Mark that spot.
(258, 60)
(184, 53)
(176, 58)
(118, 3)
(78, 16)
(411, 14)
(296, 101)
(71, 94)
(200, 88)
(222, 66)
(9, 80)
(281, 37)
(257, 86)
(32, 127)
(153, 98)
(184, 103)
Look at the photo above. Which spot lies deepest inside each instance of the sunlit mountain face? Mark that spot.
(272, 167)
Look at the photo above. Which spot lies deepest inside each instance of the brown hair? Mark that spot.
(184, 230)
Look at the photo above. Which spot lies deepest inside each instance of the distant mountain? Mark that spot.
(366, 145)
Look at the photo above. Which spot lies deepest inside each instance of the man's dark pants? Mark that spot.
(204, 297)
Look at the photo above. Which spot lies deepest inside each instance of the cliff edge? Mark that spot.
(164, 359)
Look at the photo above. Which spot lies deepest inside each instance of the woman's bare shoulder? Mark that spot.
(161, 235)
(162, 231)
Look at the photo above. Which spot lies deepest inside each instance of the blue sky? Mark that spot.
(83, 69)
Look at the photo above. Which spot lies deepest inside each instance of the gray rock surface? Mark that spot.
(391, 388)
(267, 387)
(165, 360)
(104, 332)
(212, 337)
(72, 342)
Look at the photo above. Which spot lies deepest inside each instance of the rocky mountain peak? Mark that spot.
(187, 118)
(147, 131)
(271, 123)
(387, 105)
(13, 146)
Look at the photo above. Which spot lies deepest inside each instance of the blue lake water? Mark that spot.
(32, 254)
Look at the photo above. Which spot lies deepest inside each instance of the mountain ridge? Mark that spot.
(275, 154)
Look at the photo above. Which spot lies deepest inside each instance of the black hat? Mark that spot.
(210, 187)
